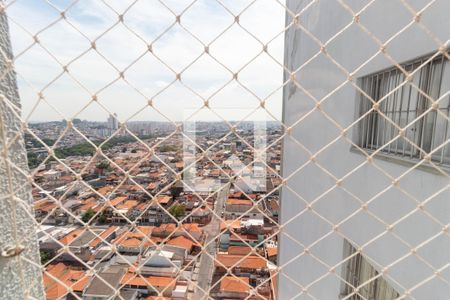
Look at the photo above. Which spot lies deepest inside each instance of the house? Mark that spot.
(127, 295)
(238, 206)
(79, 242)
(164, 200)
(121, 213)
(180, 292)
(239, 264)
(241, 250)
(108, 207)
(241, 239)
(201, 216)
(133, 242)
(151, 213)
(59, 279)
(152, 284)
(159, 259)
(106, 236)
(234, 288)
(272, 254)
(182, 242)
(99, 289)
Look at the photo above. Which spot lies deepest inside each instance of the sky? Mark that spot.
(147, 76)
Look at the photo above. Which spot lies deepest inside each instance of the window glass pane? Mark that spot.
(414, 131)
(362, 275)
(385, 88)
(445, 86)
(402, 107)
(434, 81)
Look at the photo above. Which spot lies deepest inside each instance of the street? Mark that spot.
(212, 230)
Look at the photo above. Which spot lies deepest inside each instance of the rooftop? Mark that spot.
(234, 201)
(230, 284)
(68, 278)
(182, 242)
(249, 262)
(112, 275)
(134, 279)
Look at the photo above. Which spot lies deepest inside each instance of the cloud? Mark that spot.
(124, 47)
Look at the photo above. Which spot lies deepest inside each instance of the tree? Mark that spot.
(45, 256)
(103, 165)
(168, 148)
(87, 215)
(177, 210)
(102, 219)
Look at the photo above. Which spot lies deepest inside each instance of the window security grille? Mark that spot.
(404, 103)
(361, 275)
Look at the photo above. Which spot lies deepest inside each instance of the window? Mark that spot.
(403, 106)
(358, 273)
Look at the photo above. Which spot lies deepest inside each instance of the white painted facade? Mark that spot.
(320, 76)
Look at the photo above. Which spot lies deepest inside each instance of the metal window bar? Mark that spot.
(393, 106)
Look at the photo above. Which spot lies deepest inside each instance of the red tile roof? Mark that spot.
(71, 236)
(230, 284)
(163, 199)
(240, 250)
(181, 242)
(117, 200)
(68, 278)
(155, 281)
(233, 201)
(272, 251)
(129, 204)
(249, 262)
(104, 235)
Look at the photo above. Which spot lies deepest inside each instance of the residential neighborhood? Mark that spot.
(139, 220)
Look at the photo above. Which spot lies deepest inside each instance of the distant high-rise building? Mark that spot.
(113, 123)
(233, 147)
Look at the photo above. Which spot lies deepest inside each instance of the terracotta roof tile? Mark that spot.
(272, 251)
(233, 201)
(233, 224)
(105, 234)
(76, 279)
(155, 281)
(181, 242)
(129, 204)
(163, 199)
(117, 200)
(105, 190)
(240, 250)
(249, 262)
(232, 284)
(71, 236)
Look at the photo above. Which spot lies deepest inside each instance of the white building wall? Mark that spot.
(351, 49)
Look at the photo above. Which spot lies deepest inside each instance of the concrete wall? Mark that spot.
(20, 275)
(351, 49)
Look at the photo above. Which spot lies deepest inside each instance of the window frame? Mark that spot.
(355, 270)
(374, 131)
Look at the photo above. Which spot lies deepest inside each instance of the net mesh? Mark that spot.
(183, 209)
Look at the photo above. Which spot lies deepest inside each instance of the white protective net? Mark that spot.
(212, 149)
